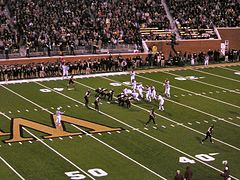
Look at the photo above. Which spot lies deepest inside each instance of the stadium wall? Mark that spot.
(190, 46)
(232, 35)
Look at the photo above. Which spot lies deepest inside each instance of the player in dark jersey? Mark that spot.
(209, 134)
(226, 171)
(96, 103)
(151, 117)
(86, 97)
(71, 82)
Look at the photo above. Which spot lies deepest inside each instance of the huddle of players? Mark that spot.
(136, 93)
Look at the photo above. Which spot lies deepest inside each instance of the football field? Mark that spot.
(114, 143)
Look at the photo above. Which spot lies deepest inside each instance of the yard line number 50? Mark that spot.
(96, 172)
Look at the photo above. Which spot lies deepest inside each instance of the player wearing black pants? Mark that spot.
(151, 117)
(96, 103)
(71, 82)
(86, 98)
(209, 134)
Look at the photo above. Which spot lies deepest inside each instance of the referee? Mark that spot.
(151, 117)
(209, 134)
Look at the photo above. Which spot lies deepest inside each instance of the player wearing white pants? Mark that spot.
(206, 60)
(161, 103)
(135, 96)
(148, 94)
(153, 93)
(134, 85)
(132, 76)
(140, 90)
(127, 91)
(65, 69)
(58, 117)
(167, 88)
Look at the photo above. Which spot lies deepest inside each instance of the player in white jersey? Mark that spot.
(127, 91)
(134, 85)
(58, 116)
(206, 60)
(140, 90)
(161, 103)
(148, 94)
(132, 76)
(135, 95)
(153, 93)
(65, 69)
(167, 88)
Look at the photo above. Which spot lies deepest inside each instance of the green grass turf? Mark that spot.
(156, 149)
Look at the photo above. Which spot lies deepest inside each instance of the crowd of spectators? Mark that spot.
(204, 14)
(60, 24)
(66, 24)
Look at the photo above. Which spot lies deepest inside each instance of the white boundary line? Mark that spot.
(236, 148)
(79, 129)
(11, 168)
(216, 75)
(162, 142)
(41, 140)
(61, 78)
(198, 94)
(211, 115)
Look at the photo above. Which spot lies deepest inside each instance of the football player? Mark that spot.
(86, 97)
(208, 134)
(151, 117)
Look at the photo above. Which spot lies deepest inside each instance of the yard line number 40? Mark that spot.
(76, 175)
(203, 157)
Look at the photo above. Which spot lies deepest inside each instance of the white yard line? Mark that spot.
(216, 75)
(173, 120)
(55, 151)
(192, 108)
(5, 162)
(229, 69)
(146, 168)
(162, 142)
(203, 112)
(198, 94)
(219, 87)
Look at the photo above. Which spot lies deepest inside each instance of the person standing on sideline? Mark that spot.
(86, 98)
(209, 134)
(58, 116)
(151, 117)
(226, 171)
(188, 173)
(65, 69)
(206, 60)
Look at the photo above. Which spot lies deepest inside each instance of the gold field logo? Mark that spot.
(54, 131)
